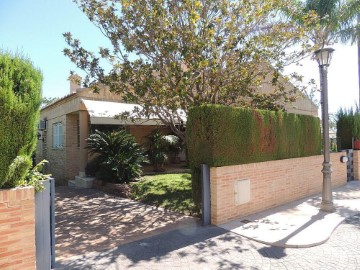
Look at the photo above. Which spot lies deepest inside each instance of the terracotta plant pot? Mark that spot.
(357, 145)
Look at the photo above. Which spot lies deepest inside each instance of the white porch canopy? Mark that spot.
(106, 112)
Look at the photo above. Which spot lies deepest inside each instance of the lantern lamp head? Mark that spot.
(323, 56)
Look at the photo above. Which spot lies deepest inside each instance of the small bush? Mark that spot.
(35, 177)
(119, 157)
(18, 170)
(158, 148)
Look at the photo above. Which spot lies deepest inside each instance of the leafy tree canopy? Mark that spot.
(47, 101)
(168, 55)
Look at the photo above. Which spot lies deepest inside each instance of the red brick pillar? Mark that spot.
(17, 229)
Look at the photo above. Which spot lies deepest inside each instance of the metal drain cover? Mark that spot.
(245, 221)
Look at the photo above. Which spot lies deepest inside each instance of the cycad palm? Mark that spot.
(118, 152)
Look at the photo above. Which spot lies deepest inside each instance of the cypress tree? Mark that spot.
(20, 99)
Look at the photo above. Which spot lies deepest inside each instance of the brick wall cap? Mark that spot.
(17, 188)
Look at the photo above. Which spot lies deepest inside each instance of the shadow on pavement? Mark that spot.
(91, 221)
(159, 248)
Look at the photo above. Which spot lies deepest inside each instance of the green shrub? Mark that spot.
(20, 99)
(347, 127)
(356, 128)
(157, 149)
(119, 157)
(92, 167)
(35, 177)
(18, 170)
(221, 136)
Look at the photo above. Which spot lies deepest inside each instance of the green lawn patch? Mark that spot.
(171, 191)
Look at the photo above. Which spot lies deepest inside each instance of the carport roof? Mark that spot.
(107, 113)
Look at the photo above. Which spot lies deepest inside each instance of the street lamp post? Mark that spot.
(323, 57)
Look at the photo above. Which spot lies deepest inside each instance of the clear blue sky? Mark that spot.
(35, 28)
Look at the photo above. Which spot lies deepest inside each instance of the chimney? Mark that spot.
(75, 82)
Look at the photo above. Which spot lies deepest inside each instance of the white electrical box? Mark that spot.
(242, 191)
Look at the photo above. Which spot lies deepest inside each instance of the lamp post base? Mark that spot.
(327, 204)
(327, 207)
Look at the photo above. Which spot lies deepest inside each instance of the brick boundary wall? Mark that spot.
(272, 183)
(17, 229)
(356, 164)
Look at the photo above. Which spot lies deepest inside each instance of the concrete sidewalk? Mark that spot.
(214, 248)
(300, 223)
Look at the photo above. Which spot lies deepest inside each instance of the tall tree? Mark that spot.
(168, 55)
(338, 22)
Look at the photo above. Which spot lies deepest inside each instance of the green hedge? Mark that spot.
(221, 136)
(347, 127)
(356, 129)
(20, 98)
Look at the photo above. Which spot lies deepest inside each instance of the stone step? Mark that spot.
(71, 183)
(84, 182)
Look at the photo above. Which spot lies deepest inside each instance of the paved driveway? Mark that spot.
(214, 248)
(97, 231)
(88, 220)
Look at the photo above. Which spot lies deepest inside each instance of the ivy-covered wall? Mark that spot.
(221, 136)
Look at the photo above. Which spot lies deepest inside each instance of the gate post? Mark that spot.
(45, 226)
(52, 220)
(205, 194)
(350, 164)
